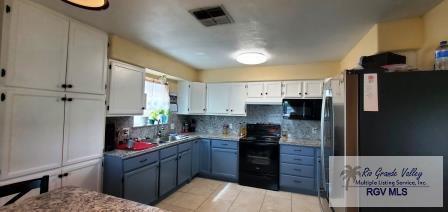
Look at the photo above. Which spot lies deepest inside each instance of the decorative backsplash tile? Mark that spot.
(256, 114)
(214, 124)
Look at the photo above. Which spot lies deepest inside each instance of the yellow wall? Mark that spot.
(400, 35)
(368, 45)
(127, 51)
(435, 30)
(266, 73)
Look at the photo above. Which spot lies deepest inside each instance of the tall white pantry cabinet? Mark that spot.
(52, 103)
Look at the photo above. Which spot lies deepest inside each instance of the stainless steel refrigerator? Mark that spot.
(411, 120)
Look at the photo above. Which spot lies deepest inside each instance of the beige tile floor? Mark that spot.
(204, 195)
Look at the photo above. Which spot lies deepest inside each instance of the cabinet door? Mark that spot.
(168, 175)
(141, 185)
(313, 89)
(224, 163)
(85, 117)
(126, 89)
(292, 89)
(238, 96)
(87, 59)
(197, 98)
(195, 157)
(31, 131)
(35, 46)
(218, 99)
(255, 90)
(184, 167)
(273, 89)
(205, 156)
(183, 97)
(85, 175)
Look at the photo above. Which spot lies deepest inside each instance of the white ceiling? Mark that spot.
(291, 31)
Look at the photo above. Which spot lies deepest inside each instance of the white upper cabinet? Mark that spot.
(87, 59)
(302, 89)
(197, 98)
(218, 96)
(31, 131)
(86, 175)
(237, 99)
(183, 97)
(226, 99)
(126, 89)
(255, 90)
(264, 93)
(84, 127)
(34, 46)
(312, 89)
(273, 89)
(292, 89)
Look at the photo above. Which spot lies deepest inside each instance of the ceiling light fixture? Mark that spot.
(251, 58)
(89, 4)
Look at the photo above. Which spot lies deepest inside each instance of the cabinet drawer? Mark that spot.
(168, 152)
(224, 144)
(296, 159)
(297, 170)
(297, 150)
(139, 161)
(184, 146)
(297, 183)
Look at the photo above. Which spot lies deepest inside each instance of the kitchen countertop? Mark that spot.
(77, 199)
(300, 142)
(192, 136)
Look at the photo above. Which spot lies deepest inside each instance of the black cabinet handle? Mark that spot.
(69, 99)
(266, 93)
(69, 86)
(231, 110)
(143, 108)
(144, 160)
(262, 94)
(60, 176)
(300, 93)
(64, 85)
(306, 93)
(65, 174)
(64, 99)
(298, 150)
(298, 159)
(3, 97)
(227, 110)
(297, 181)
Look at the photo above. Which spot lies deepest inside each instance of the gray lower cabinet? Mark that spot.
(168, 175)
(205, 157)
(299, 169)
(224, 163)
(135, 178)
(184, 167)
(141, 185)
(195, 155)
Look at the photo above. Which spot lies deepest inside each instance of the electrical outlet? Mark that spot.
(172, 126)
(230, 126)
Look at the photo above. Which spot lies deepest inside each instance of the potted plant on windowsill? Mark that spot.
(164, 116)
(153, 117)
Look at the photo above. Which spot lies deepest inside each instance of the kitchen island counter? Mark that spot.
(77, 199)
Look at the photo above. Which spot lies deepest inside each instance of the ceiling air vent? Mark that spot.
(212, 16)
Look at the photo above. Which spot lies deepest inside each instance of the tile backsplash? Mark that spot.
(256, 114)
(214, 124)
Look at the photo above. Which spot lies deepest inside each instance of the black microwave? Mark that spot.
(302, 109)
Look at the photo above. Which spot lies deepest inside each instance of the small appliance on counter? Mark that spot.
(259, 155)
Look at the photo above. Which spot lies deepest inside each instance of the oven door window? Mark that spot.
(259, 158)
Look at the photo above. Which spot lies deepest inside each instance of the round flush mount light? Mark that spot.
(89, 4)
(251, 58)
